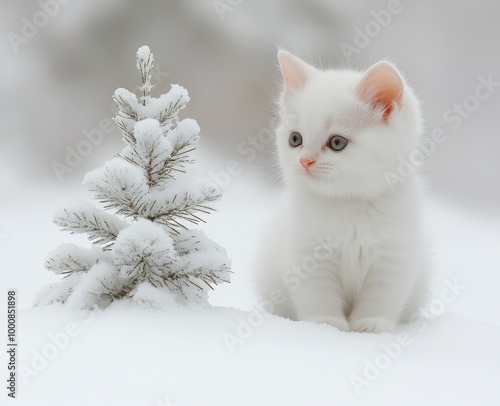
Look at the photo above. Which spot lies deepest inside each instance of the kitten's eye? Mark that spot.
(295, 139)
(337, 142)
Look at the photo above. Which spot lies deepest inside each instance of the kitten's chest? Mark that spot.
(355, 237)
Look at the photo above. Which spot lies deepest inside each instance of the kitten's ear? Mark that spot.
(296, 73)
(382, 87)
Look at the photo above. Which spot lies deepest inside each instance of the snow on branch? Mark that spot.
(145, 63)
(58, 292)
(201, 258)
(144, 251)
(175, 206)
(99, 287)
(83, 218)
(167, 107)
(69, 258)
(151, 151)
(118, 185)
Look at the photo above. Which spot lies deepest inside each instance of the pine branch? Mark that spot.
(151, 152)
(113, 295)
(127, 110)
(180, 279)
(128, 135)
(58, 292)
(67, 265)
(183, 137)
(159, 172)
(166, 108)
(102, 228)
(168, 118)
(119, 186)
(145, 63)
(127, 204)
(69, 258)
(128, 113)
(177, 162)
(200, 259)
(172, 212)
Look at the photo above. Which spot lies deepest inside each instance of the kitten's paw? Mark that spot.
(337, 322)
(372, 325)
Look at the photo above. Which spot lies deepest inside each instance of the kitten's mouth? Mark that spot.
(311, 174)
(318, 174)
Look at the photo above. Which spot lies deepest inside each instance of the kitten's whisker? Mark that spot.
(266, 102)
(259, 83)
(271, 165)
(275, 180)
(266, 71)
(262, 108)
(264, 83)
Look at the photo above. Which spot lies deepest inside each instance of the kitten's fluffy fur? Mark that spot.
(372, 270)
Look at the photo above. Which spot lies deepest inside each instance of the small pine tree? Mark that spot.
(141, 236)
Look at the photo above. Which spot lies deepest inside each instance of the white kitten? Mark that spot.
(346, 248)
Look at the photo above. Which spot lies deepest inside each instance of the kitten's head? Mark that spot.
(342, 130)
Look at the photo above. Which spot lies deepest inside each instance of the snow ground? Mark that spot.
(134, 355)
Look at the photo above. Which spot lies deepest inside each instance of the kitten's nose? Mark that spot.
(306, 162)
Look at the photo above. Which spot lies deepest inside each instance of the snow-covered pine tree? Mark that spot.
(140, 239)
